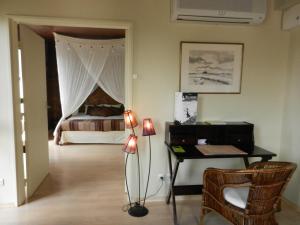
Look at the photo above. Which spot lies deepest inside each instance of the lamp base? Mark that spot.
(137, 210)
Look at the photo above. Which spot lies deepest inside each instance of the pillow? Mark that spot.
(86, 107)
(104, 111)
(237, 196)
(109, 105)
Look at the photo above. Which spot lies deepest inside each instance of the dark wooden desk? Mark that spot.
(193, 153)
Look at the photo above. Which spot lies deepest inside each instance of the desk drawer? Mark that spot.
(243, 142)
(183, 139)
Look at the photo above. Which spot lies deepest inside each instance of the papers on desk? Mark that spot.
(178, 149)
(219, 150)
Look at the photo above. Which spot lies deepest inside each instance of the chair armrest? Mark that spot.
(215, 180)
(237, 178)
(213, 175)
(228, 177)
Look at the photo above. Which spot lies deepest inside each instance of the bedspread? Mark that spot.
(104, 125)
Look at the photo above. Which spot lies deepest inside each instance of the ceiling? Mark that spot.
(80, 32)
(284, 4)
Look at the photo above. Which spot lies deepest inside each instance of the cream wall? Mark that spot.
(156, 61)
(290, 150)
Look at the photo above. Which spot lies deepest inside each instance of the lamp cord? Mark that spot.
(126, 179)
(127, 206)
(148, 172)
(156, 192)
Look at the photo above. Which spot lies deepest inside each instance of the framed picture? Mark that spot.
(211, 67)
(186, 106)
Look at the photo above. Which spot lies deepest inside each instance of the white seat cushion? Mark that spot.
(236, 196)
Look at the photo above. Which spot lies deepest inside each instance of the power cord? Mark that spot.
(159, 188)
(127, 206)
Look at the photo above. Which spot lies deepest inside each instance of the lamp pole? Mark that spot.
(149, 169)
(137, 210)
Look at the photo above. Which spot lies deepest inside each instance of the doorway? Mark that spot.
(39, 21)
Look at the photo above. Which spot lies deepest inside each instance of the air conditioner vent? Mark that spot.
(230, 5)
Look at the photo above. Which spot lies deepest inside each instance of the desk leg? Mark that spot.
(173, 194)
(173, 174)
(246, 161)
(263, 159)
(171, 177)
(266, 158)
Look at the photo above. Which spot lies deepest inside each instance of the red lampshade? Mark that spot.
(130, 120)
(131, 144)
(148, 128)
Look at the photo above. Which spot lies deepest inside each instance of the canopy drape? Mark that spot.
(84, 63)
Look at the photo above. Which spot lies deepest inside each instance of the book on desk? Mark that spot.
(219, 150)
(211, 150)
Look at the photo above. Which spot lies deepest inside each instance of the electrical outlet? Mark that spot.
(2, 182)
(161, 176)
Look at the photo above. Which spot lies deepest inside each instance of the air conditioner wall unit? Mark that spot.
(225, 11)
(291, 17)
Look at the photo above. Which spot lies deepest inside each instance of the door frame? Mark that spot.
(14, 20)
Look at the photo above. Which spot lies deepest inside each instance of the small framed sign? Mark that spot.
(211, 67)
(186, 106)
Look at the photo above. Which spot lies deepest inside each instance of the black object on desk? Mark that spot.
(238, 134)
(186, 136)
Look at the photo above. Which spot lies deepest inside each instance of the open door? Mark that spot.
(35, 107)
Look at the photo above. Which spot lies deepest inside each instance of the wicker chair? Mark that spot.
(246, 197)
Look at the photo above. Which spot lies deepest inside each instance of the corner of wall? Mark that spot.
(290, 120)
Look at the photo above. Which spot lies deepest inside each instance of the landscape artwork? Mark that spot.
(211, 68)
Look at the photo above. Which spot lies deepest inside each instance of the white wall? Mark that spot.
(156, 61)
(290, 150)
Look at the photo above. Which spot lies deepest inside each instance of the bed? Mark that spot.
(84, 128)
(99, 120)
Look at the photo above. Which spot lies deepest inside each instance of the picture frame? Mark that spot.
(211, 67)
(186, 107)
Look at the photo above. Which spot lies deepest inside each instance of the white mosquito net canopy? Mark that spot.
(83, 64)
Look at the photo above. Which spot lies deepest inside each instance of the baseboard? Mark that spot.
(178, 198)
(199, 198)
(291, 204)
(7, 205)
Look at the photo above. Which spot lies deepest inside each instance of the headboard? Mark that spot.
(100, 97)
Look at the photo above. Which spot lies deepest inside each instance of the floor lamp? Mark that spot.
(137, 209)
(148, 130)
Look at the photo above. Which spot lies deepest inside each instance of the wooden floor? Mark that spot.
(85, 187)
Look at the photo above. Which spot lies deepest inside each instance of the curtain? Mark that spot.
(110, 81)
(84, 63)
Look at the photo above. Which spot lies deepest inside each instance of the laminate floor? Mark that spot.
(85, 187)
